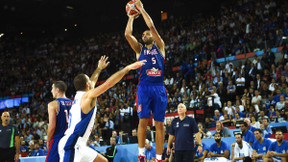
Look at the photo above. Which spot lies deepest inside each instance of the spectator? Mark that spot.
(214, 100)
(281, 104)
(251, 128)
(133, 138)
(254, 123)
(230, 109)
(266, 128)
(118, 139)
(240, 83)
(224, 132)
(262, 116)
(37, 151)
(217, 116)
(96, 141)
(24, 148)
(204, 133)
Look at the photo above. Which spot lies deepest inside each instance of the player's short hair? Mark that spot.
(279, 130)
(245, 124)
(258, 130)
(218, 133)
(238, 134)
(61, 86)
(80, 82)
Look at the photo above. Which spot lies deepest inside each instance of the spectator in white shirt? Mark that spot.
(215, 97)
(240, 83)
(280, 105)
(256, 98)
(230, 109)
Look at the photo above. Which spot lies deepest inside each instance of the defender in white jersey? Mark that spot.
(72, 147)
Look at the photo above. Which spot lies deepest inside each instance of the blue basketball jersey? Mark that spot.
(61, 126)
(153, 70)
(62, 116)
(263, 147)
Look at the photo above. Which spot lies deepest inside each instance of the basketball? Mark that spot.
(131, 8)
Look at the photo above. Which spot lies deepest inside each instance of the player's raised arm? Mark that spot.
(110, 82)
(135, 45)
(102, 64)
(149, 22)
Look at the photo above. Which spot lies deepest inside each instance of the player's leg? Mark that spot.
(84, 153)
(100, 158)
(142, 127)
(159, 125)
(52, 154)
(143, 104)
(158, 109)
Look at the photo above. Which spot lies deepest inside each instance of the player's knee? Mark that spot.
(159, 125)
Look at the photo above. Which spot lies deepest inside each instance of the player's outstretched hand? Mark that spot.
(102, 63)
(139, 5)
(136, 65)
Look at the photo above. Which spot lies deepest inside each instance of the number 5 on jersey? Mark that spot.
(153, 60)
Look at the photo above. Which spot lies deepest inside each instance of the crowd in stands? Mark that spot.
(255, 89)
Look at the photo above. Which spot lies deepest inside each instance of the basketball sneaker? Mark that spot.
(141, 158)
(158, 160)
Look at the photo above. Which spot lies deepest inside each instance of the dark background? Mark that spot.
(91, 16)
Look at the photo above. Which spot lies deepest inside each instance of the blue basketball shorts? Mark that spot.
(151, 99)
(52, 154)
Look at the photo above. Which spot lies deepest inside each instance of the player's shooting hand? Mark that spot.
(102, 63)
(139, 5)
(136, 65)
(233, 145)
(135, 16)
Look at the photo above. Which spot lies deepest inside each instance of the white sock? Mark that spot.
(141, 151)
(158, 157)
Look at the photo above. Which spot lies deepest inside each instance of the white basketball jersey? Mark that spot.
(80, 124)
